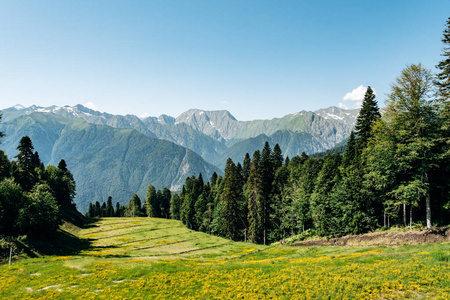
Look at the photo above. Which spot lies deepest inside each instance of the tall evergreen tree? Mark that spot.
(133, 208)
(368, 114)
(350, 151)
(321, 202)
(25, 167)
(5, 166)
(152, 207)
(165, 202)
(277, 157)
(254, 194)
(175, 205)
(230, 224)
(109, 207)
(443, 77)
(267, 176)
(246, 167)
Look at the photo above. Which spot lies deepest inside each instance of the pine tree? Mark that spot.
(246, 167)
(368, 114)
(109, 207)
(321, 205)
(267, 176)
(230, 224)
(133, 208)
(165, 203)
(277, 157)
(5, 166)
(350, 151)
(97, 209)
(254, 193)
(118, 210)
(152, 208)
(443, 78)
(175, 205)
(90, 212)
(25, 167)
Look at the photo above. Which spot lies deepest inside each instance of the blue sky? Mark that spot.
(257, 59)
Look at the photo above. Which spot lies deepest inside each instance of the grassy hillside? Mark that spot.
(143, 258)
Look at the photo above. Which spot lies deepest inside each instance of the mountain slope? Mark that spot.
(105, 161)
(214, 134)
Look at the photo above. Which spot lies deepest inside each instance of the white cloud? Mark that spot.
(91, 105)
(356, 94)
(342, 105)
(225, 102)
(144, 115)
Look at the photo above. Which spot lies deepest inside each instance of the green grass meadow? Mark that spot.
(148, 258)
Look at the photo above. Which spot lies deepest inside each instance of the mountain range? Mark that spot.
(119, 155)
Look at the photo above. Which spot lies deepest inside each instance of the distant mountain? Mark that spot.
(217, 135)
(105, 161)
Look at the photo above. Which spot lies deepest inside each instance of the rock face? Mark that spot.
(217, 134)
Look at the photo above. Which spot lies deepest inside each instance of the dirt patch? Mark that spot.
(387, 238)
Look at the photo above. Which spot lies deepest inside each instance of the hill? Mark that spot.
(105, 161)
(157, 258)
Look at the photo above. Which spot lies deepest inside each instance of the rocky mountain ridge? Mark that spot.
(215, 134)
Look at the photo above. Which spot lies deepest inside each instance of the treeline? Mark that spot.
(395, 170)
(157, 205)
(32, 195)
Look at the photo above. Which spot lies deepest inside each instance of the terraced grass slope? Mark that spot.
(144, 258)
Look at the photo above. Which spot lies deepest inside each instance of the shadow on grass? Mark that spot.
(62, 243)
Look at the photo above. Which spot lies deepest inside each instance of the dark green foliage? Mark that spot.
(5, 166)
(34, 201)
(350, 151)
(165, 203)
(321, 204)
(277, 157)
(24, 168)
(246, 167)
(368, 114)
(109, 208)
(12, 199)
(229, 222)
(254, 194)
(175, 205)
(152, 205)
(134, 208)
(443, 77)
(40, 216)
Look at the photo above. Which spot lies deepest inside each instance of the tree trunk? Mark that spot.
(428, 202)
(410, 216)
(404, 214)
